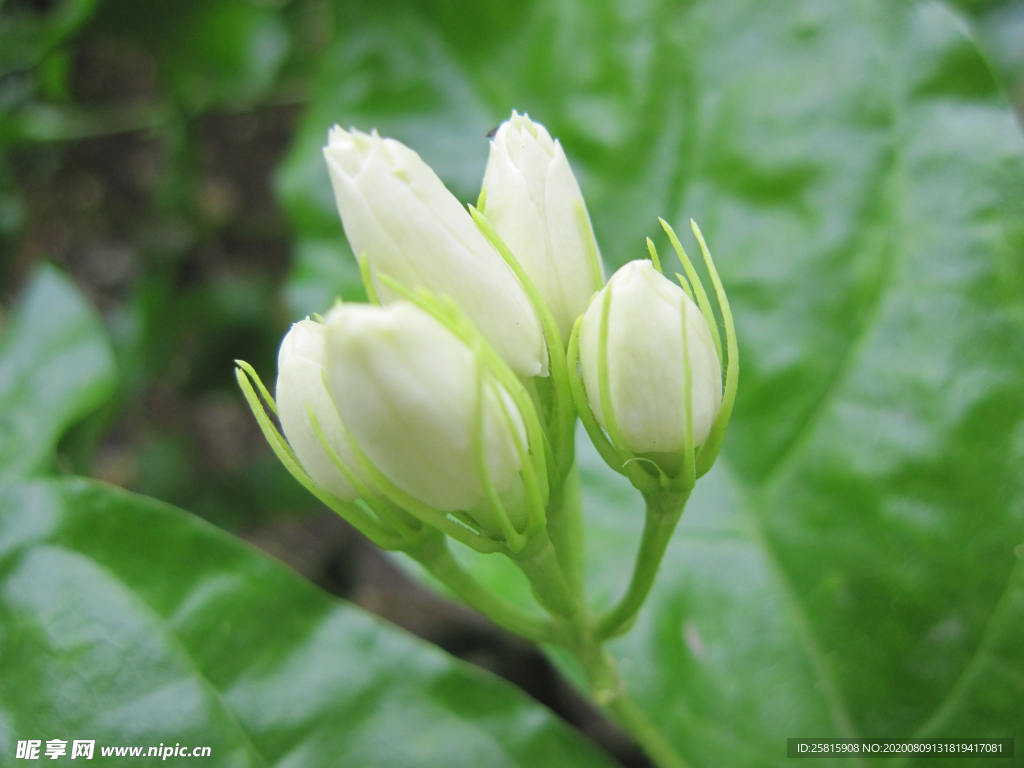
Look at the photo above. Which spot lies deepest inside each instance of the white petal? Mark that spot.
(646, 374)
(300, 385)
(406, 388)
(398, 213)
(532, 197)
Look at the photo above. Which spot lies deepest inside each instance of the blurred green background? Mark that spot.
(165, 156)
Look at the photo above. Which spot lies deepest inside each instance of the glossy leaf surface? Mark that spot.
(56, 365)
(131, 623)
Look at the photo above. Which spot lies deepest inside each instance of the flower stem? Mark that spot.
(434, 555)
(664, 509)
(646, 734)
(540, 564)
(565, 528)
(609, 690)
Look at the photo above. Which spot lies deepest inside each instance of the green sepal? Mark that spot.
(593, 258)
(687, 478)
(515, 540)
(685, 286)
(267, 397)
(698, 287)
(350, 511)
(641, 479)
(458, 529)
(579, 394)
(626, 463)
(449, 314)
(407, 526)
(713, 443)
(364, 273)
(563, 437)
(533, 469)
(655, 260)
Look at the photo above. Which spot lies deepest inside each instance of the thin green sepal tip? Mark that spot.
(654, 255)
(684, 285)
(713, 444)
(513, 538)
(267, 397)
(698, 288)
(364, 272)
(553, 341)
(284, 453)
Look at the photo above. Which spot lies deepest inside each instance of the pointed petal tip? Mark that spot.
(338, 135)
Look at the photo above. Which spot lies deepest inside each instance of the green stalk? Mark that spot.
(663, 512)
(565, 528)
(556, 577)
(540, 564)
(434, 555)
(632, 718)
(609, 691)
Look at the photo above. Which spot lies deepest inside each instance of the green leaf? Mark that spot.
(852, 565)
(56, 366)
(129, 622)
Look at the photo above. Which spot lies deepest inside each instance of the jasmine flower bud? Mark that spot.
(424, 410)
(647, 315)
(398, 215)
(300, 365)
(532, 199)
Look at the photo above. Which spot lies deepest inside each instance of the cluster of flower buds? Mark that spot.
(446, 406)
(448, 402)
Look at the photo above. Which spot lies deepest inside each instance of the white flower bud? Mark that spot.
(398, 213)
(300, 365)
(646, 370)
(406, 387)
(534, 203)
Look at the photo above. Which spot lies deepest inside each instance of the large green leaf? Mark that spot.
(134, 624)
(853, 564)
(56, 365)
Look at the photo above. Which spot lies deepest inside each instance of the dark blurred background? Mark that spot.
(139, 149)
